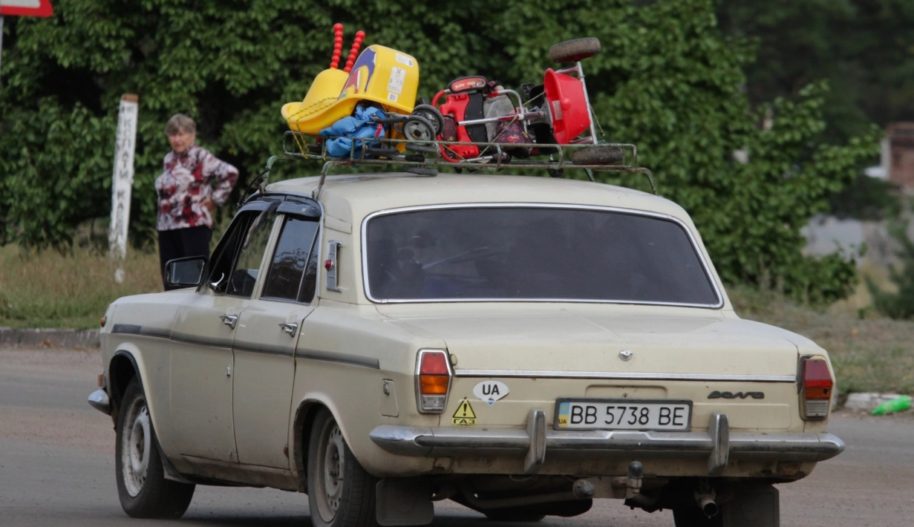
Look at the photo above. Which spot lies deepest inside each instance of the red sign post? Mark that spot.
(39, 8)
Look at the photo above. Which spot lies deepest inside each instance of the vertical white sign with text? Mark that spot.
(122, 183)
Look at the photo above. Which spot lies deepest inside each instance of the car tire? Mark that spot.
(574, 50)
(141, 485)
(340, 492)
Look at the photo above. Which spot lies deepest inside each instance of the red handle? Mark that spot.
(356, 44)
(437, 97)
(337, 45)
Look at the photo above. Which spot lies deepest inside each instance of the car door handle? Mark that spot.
(229, 320)
(289, 328)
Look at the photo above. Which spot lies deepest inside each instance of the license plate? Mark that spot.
(622, 414)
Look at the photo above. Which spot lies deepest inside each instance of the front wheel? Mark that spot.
(340, 492)
(141, 485)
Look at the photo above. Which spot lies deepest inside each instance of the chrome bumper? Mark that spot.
(717, 444)
(99, 400)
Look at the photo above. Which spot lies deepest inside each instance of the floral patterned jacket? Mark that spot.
(186, 180)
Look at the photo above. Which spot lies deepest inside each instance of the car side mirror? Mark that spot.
(184, 272)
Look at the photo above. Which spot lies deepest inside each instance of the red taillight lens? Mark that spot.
(433, 380)
(816, 390)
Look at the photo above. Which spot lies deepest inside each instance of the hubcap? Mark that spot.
(137, 442)
(330, 487)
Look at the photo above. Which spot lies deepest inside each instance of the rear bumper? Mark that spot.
(717, 444)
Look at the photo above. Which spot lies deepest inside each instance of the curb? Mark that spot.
(49, 338)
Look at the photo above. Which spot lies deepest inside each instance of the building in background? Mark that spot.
(898, 155)
(869, 242)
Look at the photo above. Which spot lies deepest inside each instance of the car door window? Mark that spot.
(226, 251)
(287, 277)
(244, 273)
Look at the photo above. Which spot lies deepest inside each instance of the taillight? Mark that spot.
(816, 388)
(433, 380)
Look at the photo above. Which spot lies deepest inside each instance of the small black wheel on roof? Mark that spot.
(598, 155)
(432, 114)
(420, 132)
(574, 50)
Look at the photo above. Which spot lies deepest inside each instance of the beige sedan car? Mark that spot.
(521, 345)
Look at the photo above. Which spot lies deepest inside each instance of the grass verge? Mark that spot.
(50, 289)
(869, 353)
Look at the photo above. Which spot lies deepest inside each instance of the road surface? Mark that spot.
(57, 467)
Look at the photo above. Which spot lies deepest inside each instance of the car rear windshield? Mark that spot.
(533, 253)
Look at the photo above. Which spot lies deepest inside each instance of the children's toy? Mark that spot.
(366, 113)
(380, 75)
(478, 111)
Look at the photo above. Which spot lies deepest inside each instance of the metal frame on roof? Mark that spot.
(425, 157)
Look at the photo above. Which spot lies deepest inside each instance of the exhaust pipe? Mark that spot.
(707, 502)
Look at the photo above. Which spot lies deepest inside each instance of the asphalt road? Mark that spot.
(57, 467)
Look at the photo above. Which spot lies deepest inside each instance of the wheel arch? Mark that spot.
(122, 369)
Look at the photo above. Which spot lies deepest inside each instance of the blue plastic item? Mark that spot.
(361, 129)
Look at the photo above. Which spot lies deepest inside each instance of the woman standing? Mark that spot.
(192, 184)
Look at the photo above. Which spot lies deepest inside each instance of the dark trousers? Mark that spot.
(177, 243)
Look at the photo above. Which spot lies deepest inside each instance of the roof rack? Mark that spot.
(428, 157)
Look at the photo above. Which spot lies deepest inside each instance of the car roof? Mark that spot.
(363, 194)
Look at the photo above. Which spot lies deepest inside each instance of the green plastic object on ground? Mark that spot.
(898, 404)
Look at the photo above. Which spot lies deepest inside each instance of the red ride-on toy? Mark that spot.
(488, 121)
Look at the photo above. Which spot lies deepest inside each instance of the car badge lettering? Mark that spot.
(490, 391)
(736, 395)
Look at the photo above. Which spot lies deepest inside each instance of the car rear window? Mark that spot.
(533, 253)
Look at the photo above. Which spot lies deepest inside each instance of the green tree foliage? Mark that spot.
(899, 304)
(864, 48)
(667, 79)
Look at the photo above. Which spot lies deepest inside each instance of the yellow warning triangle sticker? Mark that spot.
(464, 416)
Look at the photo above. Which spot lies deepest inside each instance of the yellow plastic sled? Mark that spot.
(381, 75)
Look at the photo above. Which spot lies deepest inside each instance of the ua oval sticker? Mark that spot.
(490, 391)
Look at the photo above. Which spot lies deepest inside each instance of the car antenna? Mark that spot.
(259, 184)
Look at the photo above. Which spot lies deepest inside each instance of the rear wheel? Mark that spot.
(574, 50)
(141, 485)
(340, 492)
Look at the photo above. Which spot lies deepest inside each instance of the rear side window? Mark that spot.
(534, 253)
